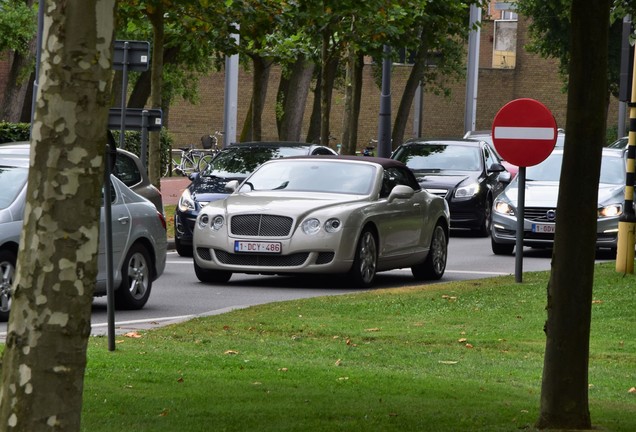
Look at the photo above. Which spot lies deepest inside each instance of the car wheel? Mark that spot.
(211, 276)
(136, 280)
(7, 273)
(501, 248)
(434, 265)
(365, 263)
(484, 229)
(182, 250)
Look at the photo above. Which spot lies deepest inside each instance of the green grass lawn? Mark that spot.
(460, 356)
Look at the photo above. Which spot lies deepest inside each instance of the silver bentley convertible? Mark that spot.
(334, 215)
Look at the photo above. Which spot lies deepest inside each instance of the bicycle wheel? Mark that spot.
(204, 162)
(167, 169)
(188, 165)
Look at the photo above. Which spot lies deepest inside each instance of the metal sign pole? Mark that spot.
(144, 139)
(121, 59)
(108, 235)
(124, 93)
(521, 199)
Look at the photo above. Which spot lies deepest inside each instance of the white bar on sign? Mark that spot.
(521, 133)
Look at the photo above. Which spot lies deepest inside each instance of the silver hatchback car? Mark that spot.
(139, 236)
(541, 192)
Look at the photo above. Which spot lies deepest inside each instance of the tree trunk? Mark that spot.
(296, 99)
(325, 96)
(564, 389)
(353, 95)
(246, 131)
(17, 87)
(313, 134)
(18, 82)
(154, 144)
(412, 83)
(57, 262)
(259, 93)
(347, 147)
(143, 85)
(281, 95)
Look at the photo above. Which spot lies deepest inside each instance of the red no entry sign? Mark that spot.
(524, 132)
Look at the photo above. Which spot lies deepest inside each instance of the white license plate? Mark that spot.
(257, 247)
(543, 228)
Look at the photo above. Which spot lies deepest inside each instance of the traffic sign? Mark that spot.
(524, 132)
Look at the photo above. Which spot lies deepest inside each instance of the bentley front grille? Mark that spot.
(260, 225)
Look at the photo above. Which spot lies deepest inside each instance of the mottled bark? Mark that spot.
(45, 356)
(564, 389)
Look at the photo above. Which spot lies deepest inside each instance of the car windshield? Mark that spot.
(240, 161)
(310, 176)
(612, 170)
(440, 157)
(12, 180)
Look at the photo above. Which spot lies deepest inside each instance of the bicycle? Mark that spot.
(195, 160)
(190, 160)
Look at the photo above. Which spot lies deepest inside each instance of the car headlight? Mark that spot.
(333, 225)
(203, 220)
(217, 222)
(310, 226)
(611, 210)
(186, 203)
(467, 191)
(504, 208)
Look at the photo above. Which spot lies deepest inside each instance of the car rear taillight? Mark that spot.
(162, 219)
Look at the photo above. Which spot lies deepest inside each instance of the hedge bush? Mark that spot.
(10, 132)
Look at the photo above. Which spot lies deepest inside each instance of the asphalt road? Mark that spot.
(178, 295)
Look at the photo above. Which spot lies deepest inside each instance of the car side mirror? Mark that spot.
(496, 167)
(401, 192)
(505, 177)
(231, 186)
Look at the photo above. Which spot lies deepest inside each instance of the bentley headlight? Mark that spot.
(311, 226)
(186, 203)
(611, 210)
(203, 220)
(504, 208)
(217, 222)
(467, 191)
(333, 225)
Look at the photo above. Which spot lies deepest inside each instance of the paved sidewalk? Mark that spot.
(171, 189)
